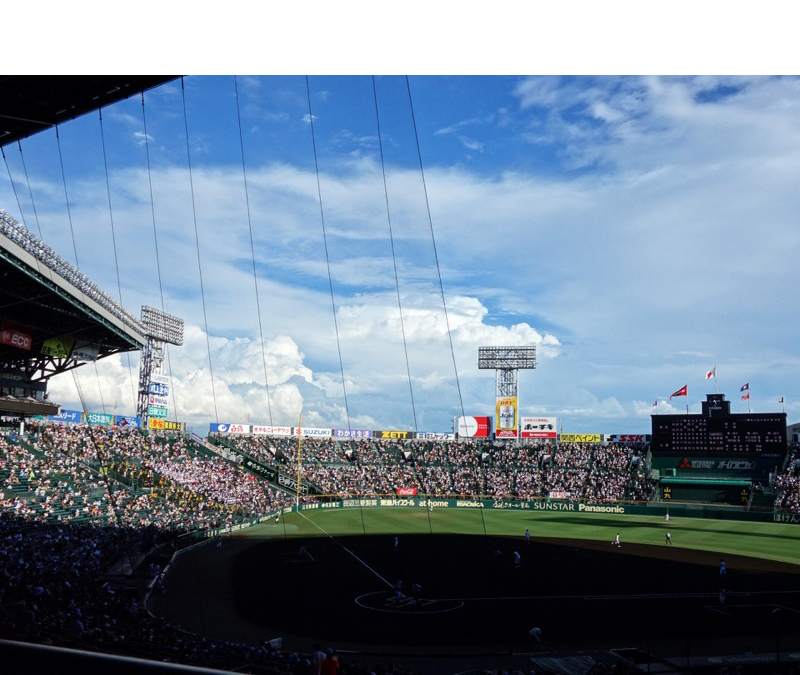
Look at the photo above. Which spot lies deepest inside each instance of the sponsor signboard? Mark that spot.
(352, 433)
(406, 491)
(506, 416)
(156, 411)
(159, 379)
(86, 353)
(401, 435)
(474, 427)
(628, 438)
(73, 416)
(538, 427)
(126, 421)
(219, 427)
(580, 438)
(59, 347)
(434, 436)
(261, 430)
(308, 431)
(158, 389)
(166, 425)
(15, 336)
(238, 428)
(158, 400)
(100, 418)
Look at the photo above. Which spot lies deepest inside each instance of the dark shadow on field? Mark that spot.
(575, 593)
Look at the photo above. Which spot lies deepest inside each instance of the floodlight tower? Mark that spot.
(160, 328)
(506, 361)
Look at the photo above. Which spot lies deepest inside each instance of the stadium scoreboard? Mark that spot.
(718, 432)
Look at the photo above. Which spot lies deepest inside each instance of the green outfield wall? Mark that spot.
(655, 509)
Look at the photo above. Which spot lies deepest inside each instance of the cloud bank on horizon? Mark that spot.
(636, 230)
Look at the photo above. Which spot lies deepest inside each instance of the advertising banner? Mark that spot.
(159, 379)
(506, 416)
(156, 411)
(399, 435)
(352, 433)
(261, 430)
(126, 421)
(158, 400)
(100, 418)
(474, 427)
(166, 425)
(73, 416)
(59, 347)
(406, 491)
(316, 433)
(538, 427)
(434, 436)
(86, 353)
(15, 336)
(219, 427)
(627, 438)
(158, 389)
(579, 438)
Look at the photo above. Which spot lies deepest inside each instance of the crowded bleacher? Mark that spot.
(77, 499)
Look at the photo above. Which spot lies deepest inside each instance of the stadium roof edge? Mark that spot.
(14, 236)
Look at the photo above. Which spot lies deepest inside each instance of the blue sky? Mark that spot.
(638, 230)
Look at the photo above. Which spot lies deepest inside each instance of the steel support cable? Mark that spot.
(433, 240)
(394, 257)
(252, 246)
(197, 242)
(30, 190)
(155, 242)
(114, 242)
(77, 264)
(327, 256)
(13, 187)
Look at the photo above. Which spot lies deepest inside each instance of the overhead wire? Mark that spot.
(77, 264)
(327, 255)
(394, 257)
(433, 240)
(197, 242)
(13, 187)
(30, 190)
(157, 251)
(114, 243)
(252, 247)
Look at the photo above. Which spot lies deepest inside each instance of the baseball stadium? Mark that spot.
(139, 543)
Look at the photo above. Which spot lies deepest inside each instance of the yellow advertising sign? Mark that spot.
(166, 425)
(579, 438)
(506, 417)
(60, 347)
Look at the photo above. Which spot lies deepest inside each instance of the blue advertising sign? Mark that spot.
(158, 389)
(352, 433)
(126, 421)
(74, 416)
(220, 427)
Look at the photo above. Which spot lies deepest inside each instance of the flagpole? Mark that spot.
(715, 380)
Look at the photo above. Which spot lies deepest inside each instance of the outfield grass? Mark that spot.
(773, 541)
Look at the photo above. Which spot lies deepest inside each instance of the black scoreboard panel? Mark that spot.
(745, 435)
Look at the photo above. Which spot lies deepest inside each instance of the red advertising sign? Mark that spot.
(406, 491)
(15, 336)
(474, 427)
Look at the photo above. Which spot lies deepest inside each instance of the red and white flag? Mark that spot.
(681, 392)
(711, 373)
(746, 396)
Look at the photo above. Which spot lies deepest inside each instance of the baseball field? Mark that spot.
(460, 581)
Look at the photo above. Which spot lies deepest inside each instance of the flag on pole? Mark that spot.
(681, 392)
(711, 373)
(745, 387)
(655, 404)
(781, 401)
(746, 397)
